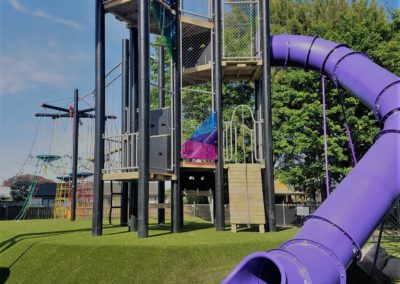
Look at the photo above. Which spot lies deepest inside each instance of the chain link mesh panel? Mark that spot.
(197, 77)
(240, 30)
(196, 57)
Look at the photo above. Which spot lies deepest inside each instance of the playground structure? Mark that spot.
(44, 164)
(157, 148)
(74, 192)
(64, 196)
(73, 174)
(172, 141)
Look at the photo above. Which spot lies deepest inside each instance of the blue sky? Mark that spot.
(47, 50)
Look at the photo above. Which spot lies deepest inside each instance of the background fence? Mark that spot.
(286, 215)
(10, 213)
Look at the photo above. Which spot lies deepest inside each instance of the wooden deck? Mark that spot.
(127, 11)
(197, 165)
(130, 176)
(231, 71)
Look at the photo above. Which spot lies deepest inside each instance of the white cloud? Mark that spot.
(41, 14)
(19, 74)
(24, 69)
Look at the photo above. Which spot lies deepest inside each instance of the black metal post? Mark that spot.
(75, 148)
(133, 106)
(124, 127)
(83, 111)
(161, 104)
(54, 107)
(219, 168)
(125, 85)
(98, 192)
(144, 115)
(378, 244)
(258, 111)
(268, 182)
(161, 77)
(177, 203)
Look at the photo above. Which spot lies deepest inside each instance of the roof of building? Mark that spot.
(46, 190)
(283, 189)
(5, 192)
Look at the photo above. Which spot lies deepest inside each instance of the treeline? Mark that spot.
(296, 94)
(297, 110)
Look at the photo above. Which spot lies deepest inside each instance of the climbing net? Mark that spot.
(197, 84)
(56, 168)
(44, 165)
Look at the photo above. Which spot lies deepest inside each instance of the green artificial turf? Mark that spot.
(55, 251)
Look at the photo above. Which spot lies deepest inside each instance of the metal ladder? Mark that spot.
(112, 203)
(61, 203)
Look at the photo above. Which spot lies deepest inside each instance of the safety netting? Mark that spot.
(240, 30)
(162, 12)
(198, 117)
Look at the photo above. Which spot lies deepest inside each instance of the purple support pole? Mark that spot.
(325, 136)
(351, 145)
(332, 237)
(346, 125)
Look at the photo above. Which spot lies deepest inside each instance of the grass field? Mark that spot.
(49, 251)
(56, 251)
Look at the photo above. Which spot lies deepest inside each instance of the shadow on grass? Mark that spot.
(4, 274)
(255, 228)
(165, 229)
(194, 226)
(7, 244)
(5, 271)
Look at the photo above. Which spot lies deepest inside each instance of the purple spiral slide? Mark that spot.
(331, 238)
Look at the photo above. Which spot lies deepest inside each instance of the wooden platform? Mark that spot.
(127, 11)
(241, 70)
(197, 165)
(246, 195)
(231, 71)
(129, 176)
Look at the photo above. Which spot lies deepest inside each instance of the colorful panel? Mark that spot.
(203, 142)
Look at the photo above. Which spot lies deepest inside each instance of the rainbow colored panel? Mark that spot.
(202, 145)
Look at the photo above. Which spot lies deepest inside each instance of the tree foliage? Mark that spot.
(20, 185)
(296, 97)
(296, 94)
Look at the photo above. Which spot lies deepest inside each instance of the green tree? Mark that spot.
(297, 110)
(296, 94)
(21, 185)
